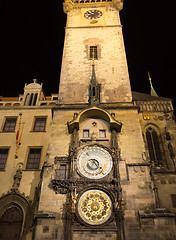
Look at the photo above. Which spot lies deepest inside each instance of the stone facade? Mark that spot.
(106, 34)
(82, 165)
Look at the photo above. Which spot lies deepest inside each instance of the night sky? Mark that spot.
(33, 36)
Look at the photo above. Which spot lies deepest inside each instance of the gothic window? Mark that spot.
(93, 52)
(63, 171)
(33, 161)
(102, 133)
(154, 146)
(11, 224)
(172, 155)
(40, 123)
(85, 133)
(3, 157)
(10, 124)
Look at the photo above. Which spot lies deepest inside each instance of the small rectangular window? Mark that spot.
(102, 133)
(173, 198)
(63, 171)
(40, 123)
(55, 98)
(33, 161)
(85, 133)
(10, 124)
(93, 52)
(3, 157)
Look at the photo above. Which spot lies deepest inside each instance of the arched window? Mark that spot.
(35, 99)
(31, 98)
(11, 224)
(154, 146)
(27, 99)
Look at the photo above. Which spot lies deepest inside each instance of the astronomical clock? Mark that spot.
(92, 186)
(94, 205)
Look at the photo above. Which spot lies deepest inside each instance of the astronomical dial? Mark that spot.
(93, 14)
(94, 207)
(94, 162)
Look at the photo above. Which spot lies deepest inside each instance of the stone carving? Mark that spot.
(94, 136)
(60, 186)
(17, 178)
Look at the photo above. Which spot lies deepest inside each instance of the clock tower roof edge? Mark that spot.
(68, 5)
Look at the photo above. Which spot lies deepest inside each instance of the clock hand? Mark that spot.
(101, 170)
(95, 163)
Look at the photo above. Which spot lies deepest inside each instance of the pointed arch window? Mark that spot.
(154, 148)
(11, 224)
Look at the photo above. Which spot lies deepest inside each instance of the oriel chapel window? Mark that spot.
(154, 147)
(63, 171)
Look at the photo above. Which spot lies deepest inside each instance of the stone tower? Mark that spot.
(98, 181)
(94, 28)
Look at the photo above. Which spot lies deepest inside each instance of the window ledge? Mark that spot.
(37, 131)
(35, 170)
(164, 170)
(7, 131)
(90, 139)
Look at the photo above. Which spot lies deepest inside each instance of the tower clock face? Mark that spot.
(94, 207)
(94, 162)
(93, 14)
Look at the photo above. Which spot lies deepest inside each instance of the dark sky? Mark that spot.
(33, 36)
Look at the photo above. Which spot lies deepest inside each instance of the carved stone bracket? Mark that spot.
(64, 186)
(60, 186)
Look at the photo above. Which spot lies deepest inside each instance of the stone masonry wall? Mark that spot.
(111, 66)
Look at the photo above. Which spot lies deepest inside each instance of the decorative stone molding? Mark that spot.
(93, 112)
(68, 5)
(154, 106)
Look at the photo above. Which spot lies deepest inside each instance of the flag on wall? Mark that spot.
(18, 135)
